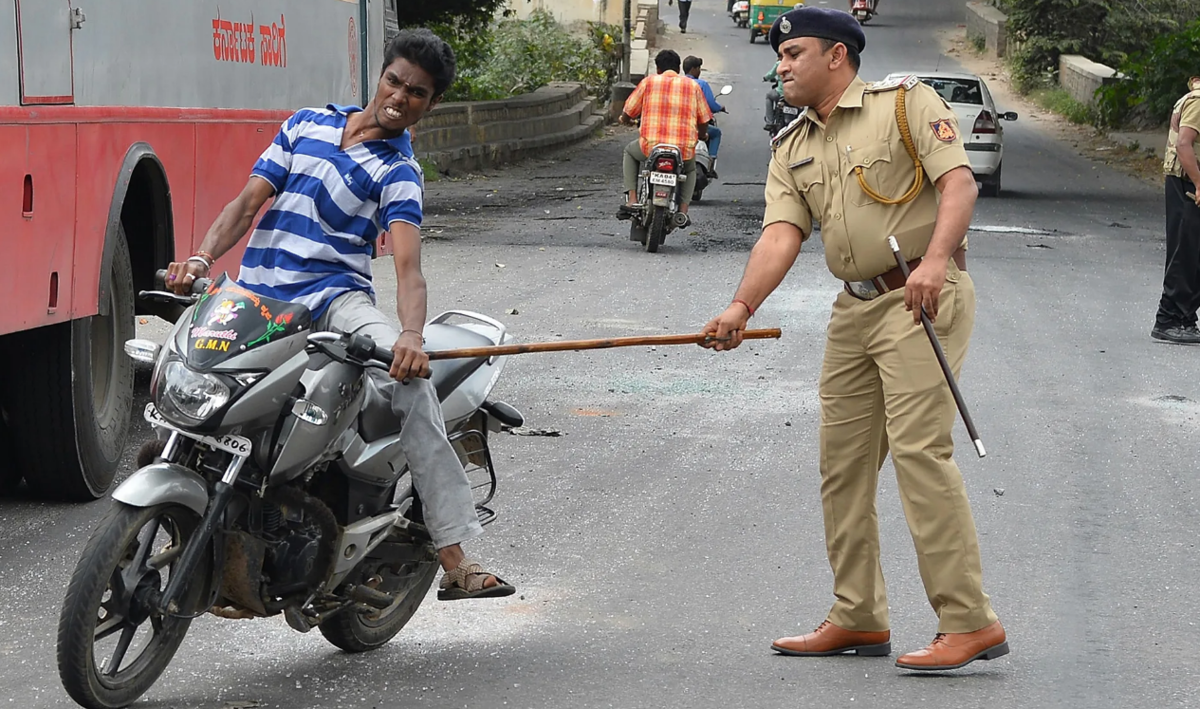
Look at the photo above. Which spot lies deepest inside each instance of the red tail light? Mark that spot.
(985, 123)
(761, 16)
(665, 165)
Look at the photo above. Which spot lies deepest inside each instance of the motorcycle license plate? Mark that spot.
(663, 178)
(228, 443)
(791, 110)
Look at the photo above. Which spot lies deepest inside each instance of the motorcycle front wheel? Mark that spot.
(112, 644)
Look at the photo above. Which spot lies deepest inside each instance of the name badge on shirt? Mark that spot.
(800, 163)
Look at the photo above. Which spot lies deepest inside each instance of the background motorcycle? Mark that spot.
(741, 13)
(659, 191)
(704, 161)
(781, 113)
(863, 10)
(277, 486)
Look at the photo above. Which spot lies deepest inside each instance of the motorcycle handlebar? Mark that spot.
(384, 355)
(198, 286)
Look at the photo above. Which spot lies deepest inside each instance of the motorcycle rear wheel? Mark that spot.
(356, 630)
(123, 569)
(658, 230)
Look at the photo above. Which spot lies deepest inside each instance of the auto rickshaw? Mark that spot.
(763, 14)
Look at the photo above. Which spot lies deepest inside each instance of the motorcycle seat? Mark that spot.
(377, 420)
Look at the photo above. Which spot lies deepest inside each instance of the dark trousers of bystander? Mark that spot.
(685, 9)
(1181, 277)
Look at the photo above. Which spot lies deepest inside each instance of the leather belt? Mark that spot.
(894, 279)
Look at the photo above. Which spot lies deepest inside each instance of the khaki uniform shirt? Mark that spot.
(811, 176)
(1185, 113)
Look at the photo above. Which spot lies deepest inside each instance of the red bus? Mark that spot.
(125, 127)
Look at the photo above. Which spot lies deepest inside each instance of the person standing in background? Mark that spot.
(1176, 318)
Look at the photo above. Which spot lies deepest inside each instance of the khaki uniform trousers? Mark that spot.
(882, 389)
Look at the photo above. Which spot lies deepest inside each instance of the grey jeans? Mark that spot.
(634, 157)
(437, 474)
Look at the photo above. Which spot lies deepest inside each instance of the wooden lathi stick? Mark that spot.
(571, 345)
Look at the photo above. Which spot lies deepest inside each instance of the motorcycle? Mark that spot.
(782, 113)
(276, 484)
(704, 166)
(863, 10)
(659, 194)
(741, 13)
(704, 161)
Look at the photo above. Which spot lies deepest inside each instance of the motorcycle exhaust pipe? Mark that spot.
(680, 219)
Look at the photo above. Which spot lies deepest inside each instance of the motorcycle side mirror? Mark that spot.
(726, 90)
(1010, 116)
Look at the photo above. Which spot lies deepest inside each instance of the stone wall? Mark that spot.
(1081, 77)
(985, 21)
(458, 137)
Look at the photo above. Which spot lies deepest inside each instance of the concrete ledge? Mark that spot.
(464, 136)
(1081, 77)
(987, 22)
(479, 156)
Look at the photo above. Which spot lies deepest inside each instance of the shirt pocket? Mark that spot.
(810, 183)
(878, 171)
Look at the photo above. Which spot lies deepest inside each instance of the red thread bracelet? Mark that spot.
(748, 308)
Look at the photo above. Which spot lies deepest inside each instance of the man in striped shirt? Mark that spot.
(339, 176)
(674, 112)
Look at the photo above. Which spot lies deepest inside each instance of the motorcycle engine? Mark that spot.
(293, 532)
(290, 561)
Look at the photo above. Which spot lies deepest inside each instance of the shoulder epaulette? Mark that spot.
(786, 130)
(908, 82)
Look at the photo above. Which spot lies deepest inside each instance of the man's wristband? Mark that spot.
(418, 333)
(201, 260)
(748, 308)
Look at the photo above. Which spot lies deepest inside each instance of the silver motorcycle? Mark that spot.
(276, 485)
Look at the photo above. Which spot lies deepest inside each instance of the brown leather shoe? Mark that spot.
(950, 651)
(829, 639)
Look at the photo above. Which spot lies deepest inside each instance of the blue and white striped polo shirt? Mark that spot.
(314, 243)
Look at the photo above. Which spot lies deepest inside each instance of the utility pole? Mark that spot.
(623, 88)
(626, 40)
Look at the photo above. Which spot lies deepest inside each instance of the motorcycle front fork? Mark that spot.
(198, 542)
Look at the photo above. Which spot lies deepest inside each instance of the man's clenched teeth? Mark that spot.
(391, 113)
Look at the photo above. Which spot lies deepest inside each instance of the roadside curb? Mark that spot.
(476, 157)
(465, 136)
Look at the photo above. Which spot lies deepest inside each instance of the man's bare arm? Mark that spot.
(770, 260)
(411, 290)
(235, 220)
(954, 212)
(411, 303)
(230, 226)
(955, 208)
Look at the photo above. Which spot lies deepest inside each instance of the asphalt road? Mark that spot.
(674, 529)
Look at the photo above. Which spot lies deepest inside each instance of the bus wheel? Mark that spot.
(71, 411)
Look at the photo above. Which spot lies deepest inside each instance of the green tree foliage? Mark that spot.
(1149, 40)
(467, 13)
(1046, 29)
(519, 56)
(1155, 78)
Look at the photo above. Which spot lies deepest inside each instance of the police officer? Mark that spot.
(1176, 318)
(846, 163)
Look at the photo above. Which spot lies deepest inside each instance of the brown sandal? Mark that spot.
(466, 581)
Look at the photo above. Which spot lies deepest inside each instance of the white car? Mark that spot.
(968, 95)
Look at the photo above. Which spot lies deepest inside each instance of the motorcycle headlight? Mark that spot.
(189, 397)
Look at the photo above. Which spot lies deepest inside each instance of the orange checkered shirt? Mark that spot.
(670, 106)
